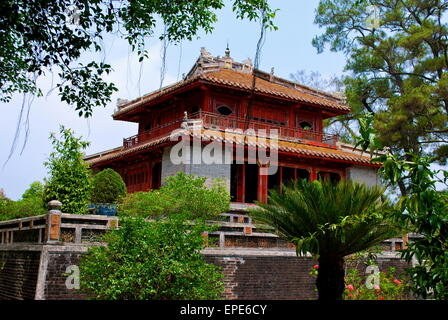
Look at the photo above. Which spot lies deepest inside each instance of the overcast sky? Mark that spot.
(287, 50)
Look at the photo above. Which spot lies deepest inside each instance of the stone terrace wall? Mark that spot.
(56, 259)
(264, 274)
(39, 272)
(18, 274)
(258, 274)
(36, 251)
(33, 271)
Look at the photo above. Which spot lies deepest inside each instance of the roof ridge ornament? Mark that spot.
(205, 53)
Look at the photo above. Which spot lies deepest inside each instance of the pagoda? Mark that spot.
(224, 101)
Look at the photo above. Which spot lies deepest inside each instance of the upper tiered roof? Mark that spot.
(224, 72)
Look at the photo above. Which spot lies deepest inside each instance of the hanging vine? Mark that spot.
(260, 44)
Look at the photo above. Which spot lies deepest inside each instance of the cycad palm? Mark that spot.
(328, 220)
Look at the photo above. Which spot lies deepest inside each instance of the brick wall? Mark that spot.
(276, 274)
(18, 274)
(266, 277)
(271, 274)
(55, 286)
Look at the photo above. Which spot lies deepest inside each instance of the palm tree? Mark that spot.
(330, 221)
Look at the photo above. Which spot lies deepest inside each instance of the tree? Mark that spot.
(423, 210)
(108, 187)
(330, 221)
(43, 36)
(182, 193)
(69, 178)
(144, 260)
(31, 204)
(35, 190)
(398, 61)
(159, 259)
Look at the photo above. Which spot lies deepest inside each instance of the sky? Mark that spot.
(288, 50)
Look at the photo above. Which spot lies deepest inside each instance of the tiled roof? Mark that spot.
(285, 146)
(294, 147)
(121, 152)
(242, 81)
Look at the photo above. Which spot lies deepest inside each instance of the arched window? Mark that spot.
(305, 125)
(224, 110)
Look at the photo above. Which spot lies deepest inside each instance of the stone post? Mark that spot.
(53, 227)
(405, 241)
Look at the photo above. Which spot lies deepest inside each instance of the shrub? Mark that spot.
(391, 287)
(158, 260)
(181, 194)
(108, 187)
(35, 190)
(69, 176)
(31, 204)
(5, 208)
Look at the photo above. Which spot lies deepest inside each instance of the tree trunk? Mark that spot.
(330, 279)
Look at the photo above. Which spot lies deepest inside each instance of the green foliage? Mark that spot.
(322, 217)
(31, 204)
(38, 36)
(368, 138)
(329, 221)
(397, 68)
(391, 286)
(35, 190)
(180, 194)
(425, 211)
(108, 187)
(69, 178)
(157, 260)
(20, 209)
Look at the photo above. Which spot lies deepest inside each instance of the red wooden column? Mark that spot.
(313, 175)
(206, 100)
(262, 190)
(241, 184)
(292, 116)
(243, 108)
(148, 175)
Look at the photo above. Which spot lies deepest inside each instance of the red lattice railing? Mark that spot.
(220, 122)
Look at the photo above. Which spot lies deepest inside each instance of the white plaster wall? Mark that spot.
(213, 171)
(169, 168)
(366, 175)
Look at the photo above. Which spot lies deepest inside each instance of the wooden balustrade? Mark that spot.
(236, 230)
(222, 123)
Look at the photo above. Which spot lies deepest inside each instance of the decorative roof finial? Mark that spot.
(227, 50)
(271, 75)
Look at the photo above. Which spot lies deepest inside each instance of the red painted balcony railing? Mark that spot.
(152, 134)
(216, 121)
(220, 122)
